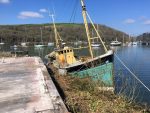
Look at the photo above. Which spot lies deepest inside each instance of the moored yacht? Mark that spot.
(115, 43)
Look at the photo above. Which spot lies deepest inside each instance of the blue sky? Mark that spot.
(130, 16)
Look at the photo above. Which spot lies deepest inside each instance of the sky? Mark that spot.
(129, 16)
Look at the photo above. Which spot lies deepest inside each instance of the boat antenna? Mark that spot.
(86, 27)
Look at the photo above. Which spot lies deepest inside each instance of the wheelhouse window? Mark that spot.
(60, 52)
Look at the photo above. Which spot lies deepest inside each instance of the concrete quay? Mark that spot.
(26, 87)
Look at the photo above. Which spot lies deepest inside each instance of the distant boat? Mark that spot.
(63, 43)
(134, 43)
(23, 44)
(123, 41)
(14, 47)
(41, 43)
(115, 43)
(95, 44)
(129, 41)
(51, 44)
(78, 42)
(2, 43)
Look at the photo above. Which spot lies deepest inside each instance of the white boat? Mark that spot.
(134, 43)
(115, 43)
(41, 43)
(95, 45)
(23, 44)
(76, 43)
(129, 43)
(63, 43)
(2, 43)
(50, 43)
(14, 47)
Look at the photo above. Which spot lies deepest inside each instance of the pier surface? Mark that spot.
(26, 87)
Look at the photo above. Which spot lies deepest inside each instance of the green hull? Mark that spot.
(102, 73)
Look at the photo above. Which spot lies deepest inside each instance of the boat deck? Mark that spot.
(25, 87)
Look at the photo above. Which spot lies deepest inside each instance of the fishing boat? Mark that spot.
(99, 68)
(115, 43)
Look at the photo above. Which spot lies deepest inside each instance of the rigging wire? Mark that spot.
(53, 7)
(73, 15)
(131, 72)
(66, 4)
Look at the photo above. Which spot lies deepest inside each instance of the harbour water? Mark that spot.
(135, 57)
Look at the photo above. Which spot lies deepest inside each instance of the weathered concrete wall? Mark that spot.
(25, 87)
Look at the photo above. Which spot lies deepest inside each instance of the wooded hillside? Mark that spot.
(145, 37)
(14, 34)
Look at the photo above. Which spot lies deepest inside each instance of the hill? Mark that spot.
(145, 37)
(14, 34)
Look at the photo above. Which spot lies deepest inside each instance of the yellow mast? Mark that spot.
(86, 27)
(55, 31)
(97, 32)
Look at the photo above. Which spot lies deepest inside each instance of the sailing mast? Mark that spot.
(41, 35)
(86, 27)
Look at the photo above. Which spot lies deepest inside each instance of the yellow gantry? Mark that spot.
(85, 14)
(86, 27)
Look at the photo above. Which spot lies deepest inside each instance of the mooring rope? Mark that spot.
(131, 72)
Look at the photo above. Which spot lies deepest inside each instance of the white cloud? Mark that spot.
(43, 10)
(4, 1)
(147, 22)
(29, 14)
(143, 18)
(129, 21)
